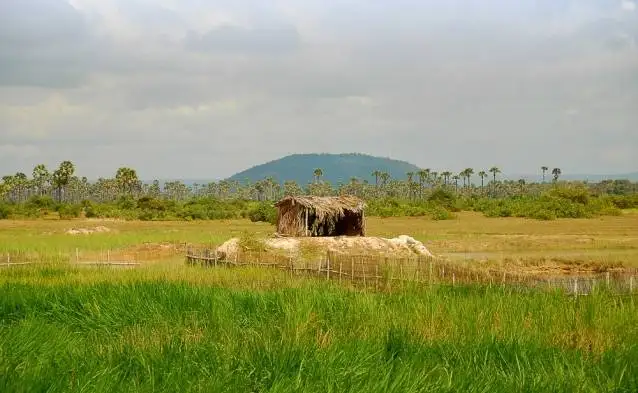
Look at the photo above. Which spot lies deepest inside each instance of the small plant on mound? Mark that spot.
(248, 242)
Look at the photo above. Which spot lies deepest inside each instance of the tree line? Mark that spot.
(63, 185)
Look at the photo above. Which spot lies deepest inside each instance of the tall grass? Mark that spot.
(189, 330)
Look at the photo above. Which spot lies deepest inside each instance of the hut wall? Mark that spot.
(291, 221)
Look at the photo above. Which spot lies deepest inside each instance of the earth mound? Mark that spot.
(87, 231)
(401, 246)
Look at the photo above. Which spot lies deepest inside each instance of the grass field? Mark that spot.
(168, 327)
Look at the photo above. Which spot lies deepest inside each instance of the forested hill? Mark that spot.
(335, 168)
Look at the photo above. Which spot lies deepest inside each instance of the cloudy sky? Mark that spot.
(205, 88)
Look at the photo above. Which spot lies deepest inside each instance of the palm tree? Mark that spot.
(410, 176)
(556, 172)
(468, 174)
(482, 175)
(318, 172)
(423, 175)
(385, 176)
(544, 169)
(521, 183)
(127, 179)
(20, 182)
(456, 182)
(376, 173)
(446, 176)
(41, 178)
(494, 171)
(62, 177)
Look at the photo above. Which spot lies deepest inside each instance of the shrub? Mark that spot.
(444, 198)
(577, 194)
(68, 211)
(5, 211)
(264, 212)
(440, 213)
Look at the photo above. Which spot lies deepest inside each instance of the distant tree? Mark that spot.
(410, 176)
(318, 172)
(127, 179)
(521, 184)
(544, 169)
(468, 174)
(20, 185)
(62, 176)
(291, 188)
(423, 175)
(376, 173)
(482, 175)
(385, 177)
(494, 171)
(456, 181)
(446, 177)
(556, 172)
(41, 178)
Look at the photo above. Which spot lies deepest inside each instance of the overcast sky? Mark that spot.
(206, 88)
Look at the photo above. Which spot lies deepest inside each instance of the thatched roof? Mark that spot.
(325, 206)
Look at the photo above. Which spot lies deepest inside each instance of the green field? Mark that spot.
(165, 326)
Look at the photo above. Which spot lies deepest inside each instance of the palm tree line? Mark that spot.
(63, 185)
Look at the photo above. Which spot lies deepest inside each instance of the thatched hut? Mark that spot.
(321, 216)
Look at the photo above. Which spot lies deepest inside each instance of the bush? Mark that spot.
(576, 194)
(264, 212)
(443, 198)
(439, 213)
(5, 211)
(68, 211)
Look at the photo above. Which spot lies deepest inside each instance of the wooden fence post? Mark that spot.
(352, 267)
(430, 278)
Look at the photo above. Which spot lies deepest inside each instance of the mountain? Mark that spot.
(336, 168)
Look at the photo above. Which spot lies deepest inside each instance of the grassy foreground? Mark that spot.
(194, 330)
(168, 327)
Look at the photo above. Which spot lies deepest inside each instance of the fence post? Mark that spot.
(607, 275)
(575, 287)
(328, 268)
(291, 267)
(631, 284)
(376, 277)
(340, 269)
(352, 272)
(453, 279)
(365, 285)
(430, 278)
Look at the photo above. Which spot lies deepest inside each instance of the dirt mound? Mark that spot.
(399, 246)
(87, 231)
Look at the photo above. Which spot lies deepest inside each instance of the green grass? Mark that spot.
(221, 330)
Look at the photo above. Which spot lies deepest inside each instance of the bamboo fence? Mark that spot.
(385, 272)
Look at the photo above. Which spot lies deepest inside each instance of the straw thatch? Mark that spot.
(321, 216)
